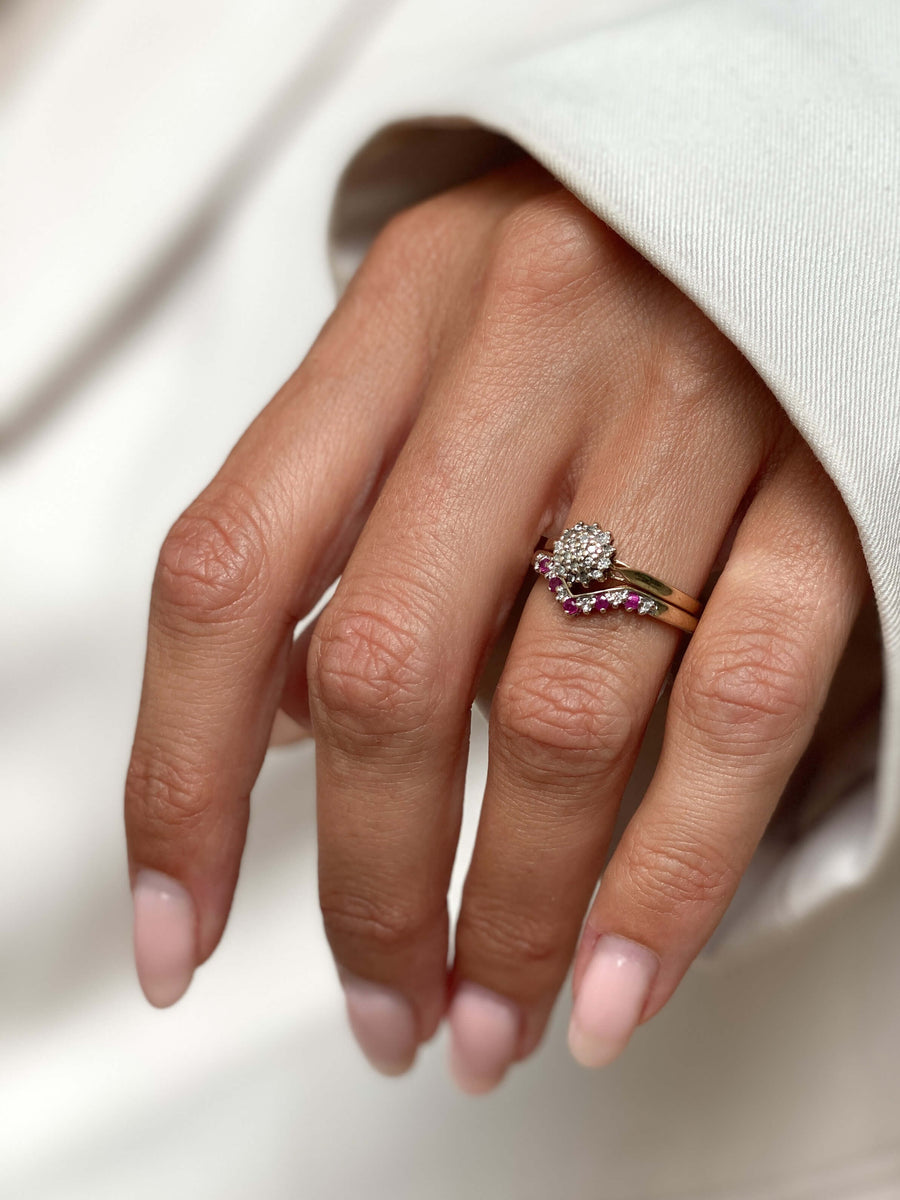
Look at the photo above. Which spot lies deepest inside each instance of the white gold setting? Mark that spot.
(579, 571)
(583, 554)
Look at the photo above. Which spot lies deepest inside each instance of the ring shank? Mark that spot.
(643, 582)
(670, 615)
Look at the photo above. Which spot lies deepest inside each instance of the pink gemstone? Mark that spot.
(601, 603)
(570, 606)
(554, 582)
(544, 566)
(632, 600)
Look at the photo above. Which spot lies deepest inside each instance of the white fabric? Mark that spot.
(169, 173)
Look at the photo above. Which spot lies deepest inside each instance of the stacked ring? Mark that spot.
(584, 575)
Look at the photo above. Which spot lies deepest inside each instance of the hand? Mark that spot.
(501, 366)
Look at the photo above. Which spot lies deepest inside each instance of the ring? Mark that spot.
(584, 575)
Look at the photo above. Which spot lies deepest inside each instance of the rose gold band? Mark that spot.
(655, 587)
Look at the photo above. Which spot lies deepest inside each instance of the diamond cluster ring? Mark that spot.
(584, 575)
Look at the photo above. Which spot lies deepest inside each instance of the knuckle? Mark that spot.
(675, 875)
(550, 717)
(745, 692)
(681, 372)
(403, 229)
(402, 250)
(685, 382)
(165, 795)
(371, 668)
(544, 251)
(519, 945)
(354, 922)
(213, 562)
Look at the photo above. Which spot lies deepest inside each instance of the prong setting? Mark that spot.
(583, 556)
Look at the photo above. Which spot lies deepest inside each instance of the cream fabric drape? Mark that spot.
(182, 184)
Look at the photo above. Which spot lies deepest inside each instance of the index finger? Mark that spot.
(248, 559)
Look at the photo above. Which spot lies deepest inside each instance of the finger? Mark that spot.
(566, 722)
(396, 656)
(742, 710)
(246, 560)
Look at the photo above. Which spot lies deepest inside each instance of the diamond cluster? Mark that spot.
(581, 559)
(583, 554)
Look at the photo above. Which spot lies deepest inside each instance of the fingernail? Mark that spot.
(484, 1034)
(610, 1000)
(164, 922)
(383, 1022)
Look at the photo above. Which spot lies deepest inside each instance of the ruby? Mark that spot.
(570, 606)
(544, 566)
(632, 600)
(554, 581)
(601, 603)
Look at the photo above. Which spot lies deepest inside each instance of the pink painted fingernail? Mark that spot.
(610, 1000)
(164, 937)
(383, 1022)
(484, 1034)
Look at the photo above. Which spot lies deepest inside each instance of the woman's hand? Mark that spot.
(501, 366)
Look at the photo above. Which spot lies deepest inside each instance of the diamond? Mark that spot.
(583, 554)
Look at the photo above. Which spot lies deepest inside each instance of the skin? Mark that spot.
(501, 366)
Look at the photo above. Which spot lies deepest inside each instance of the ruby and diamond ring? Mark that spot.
(584, 575)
